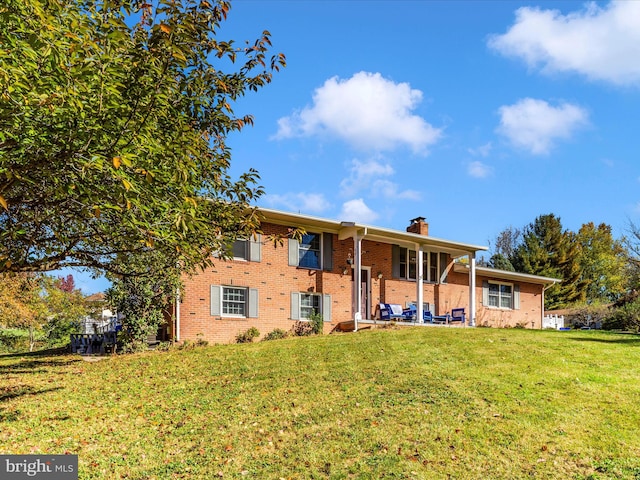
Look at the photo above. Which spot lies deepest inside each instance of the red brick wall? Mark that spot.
(528, 315)
(276, 280)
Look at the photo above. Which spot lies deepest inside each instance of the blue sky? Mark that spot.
(477, 115)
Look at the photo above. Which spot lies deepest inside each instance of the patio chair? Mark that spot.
(390, 311)
(457, 315)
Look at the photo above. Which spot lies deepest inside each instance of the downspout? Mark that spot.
(177, 310)
(472, 289)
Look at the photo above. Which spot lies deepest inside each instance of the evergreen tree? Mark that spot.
(501, 262)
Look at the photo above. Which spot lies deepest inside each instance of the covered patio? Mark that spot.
(422, 244)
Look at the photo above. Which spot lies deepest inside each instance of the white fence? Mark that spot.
(553, 321)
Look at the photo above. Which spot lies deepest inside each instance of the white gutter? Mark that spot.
(177, 333)
(472, 289)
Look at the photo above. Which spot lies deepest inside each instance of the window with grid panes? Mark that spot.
(309, 250)
(500, 295)
(309, 304)
(234, 301)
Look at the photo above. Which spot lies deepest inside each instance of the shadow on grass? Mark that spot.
(8, 393)
(35, 362)
(630, 339)
(49, 352)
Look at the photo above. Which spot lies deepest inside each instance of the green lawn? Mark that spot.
(410, 403)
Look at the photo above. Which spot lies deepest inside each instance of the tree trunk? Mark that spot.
(32, 339)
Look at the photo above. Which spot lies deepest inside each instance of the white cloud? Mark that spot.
(362, 175)
(535, 125)
(357, 211)
(479, 170)
(374, 177)
(482, 150)
(367, 111)
(602, 43)
(389, 189)
(299, 202)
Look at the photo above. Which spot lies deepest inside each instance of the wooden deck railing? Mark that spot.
(93, 343)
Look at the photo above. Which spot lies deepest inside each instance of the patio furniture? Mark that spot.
(457, 315)
(389, 311)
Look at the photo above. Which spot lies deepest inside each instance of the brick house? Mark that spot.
(344, 271)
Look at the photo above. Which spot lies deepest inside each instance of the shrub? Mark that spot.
(317, 323)
(302, 329)
(589, 316)
(190, 345)
(164, 346)
(186, 345)
(134, 346)
(276, 334)
(626, 317)
(248, 336)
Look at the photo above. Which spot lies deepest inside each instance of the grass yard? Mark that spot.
(412, 403)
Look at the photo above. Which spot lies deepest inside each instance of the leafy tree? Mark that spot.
(625, 317)
(507, 242)
(602, 263)
(547, 250)
(143, 300)
(64, 308)
(19, 295)
(113, 120)
(632, 244)
(39, 304)
(67, 284)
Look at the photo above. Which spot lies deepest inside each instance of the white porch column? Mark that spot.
(357, 279)
(419, 284)
(472, 289)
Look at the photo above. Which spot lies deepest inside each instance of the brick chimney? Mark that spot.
(419, 226)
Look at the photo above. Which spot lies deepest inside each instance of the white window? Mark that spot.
(232, 301)
(432, 268)
(310, 303)
(249, 250)
(304, 305)
(239, 250)
(313, 250)
(405, 263)
(500, 295)
(309, 251)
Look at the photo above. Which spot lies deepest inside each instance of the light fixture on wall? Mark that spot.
(379, 274)
(345, 270)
